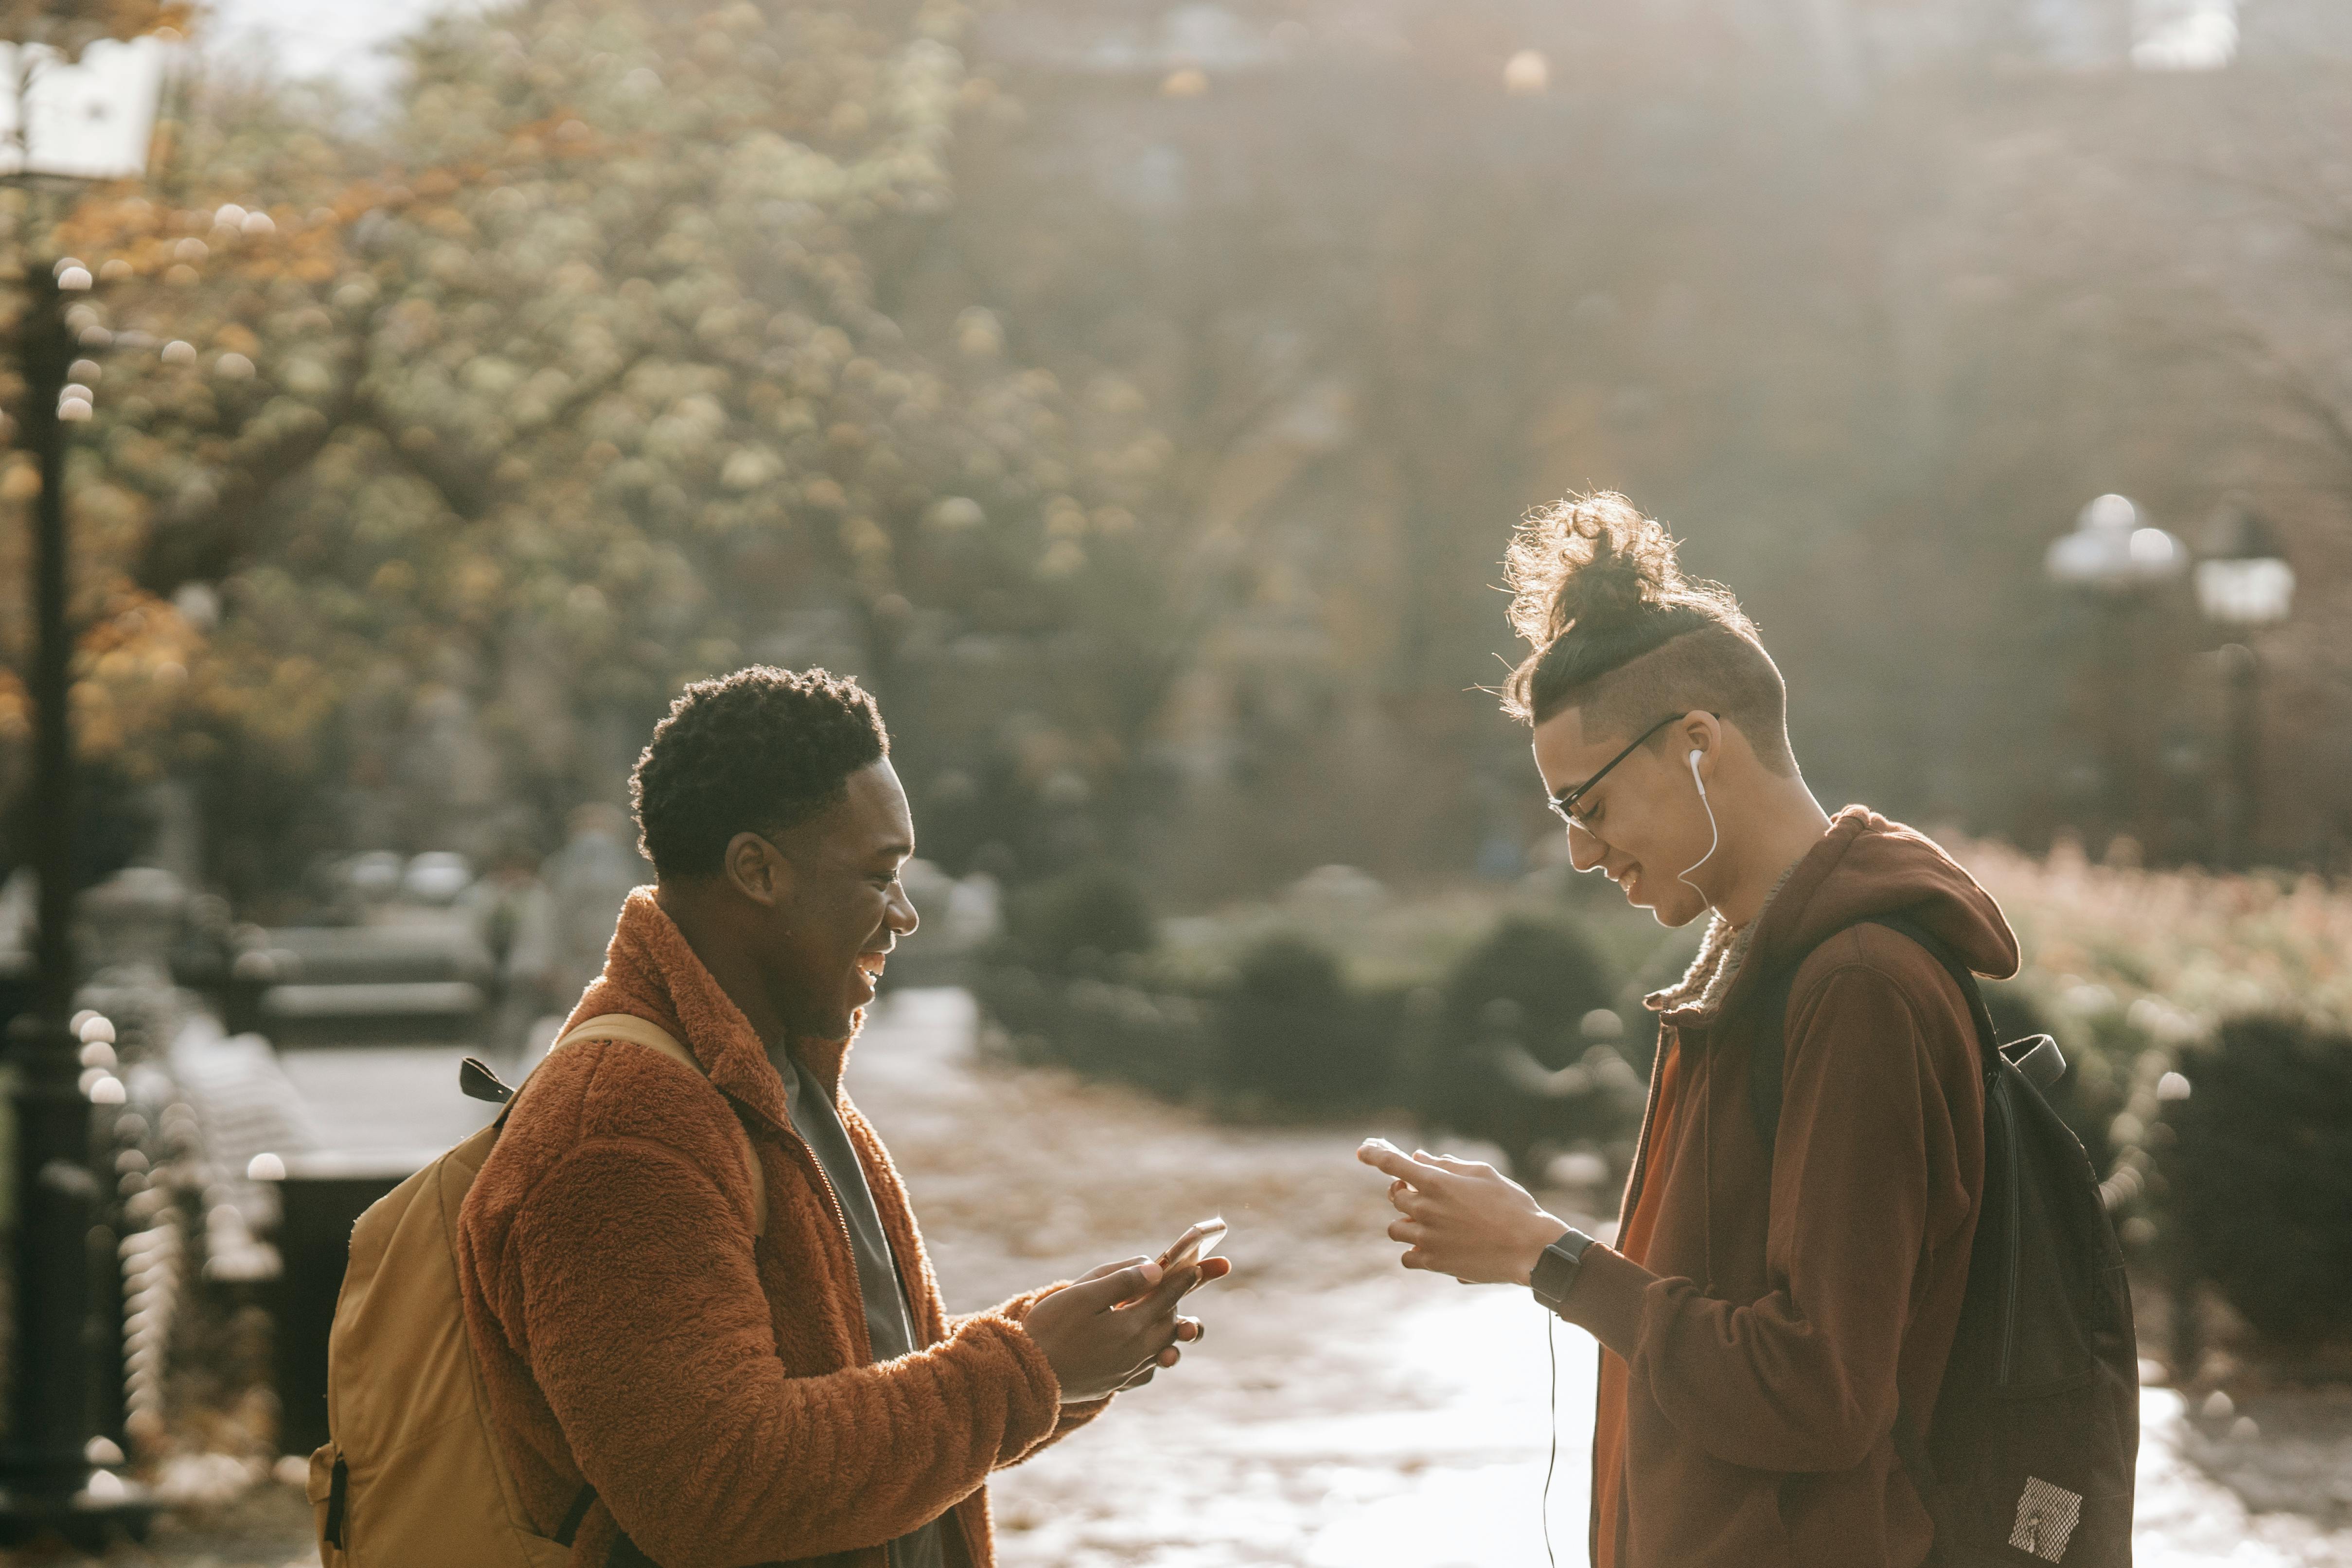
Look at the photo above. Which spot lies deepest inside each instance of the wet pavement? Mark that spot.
(1341, 1411)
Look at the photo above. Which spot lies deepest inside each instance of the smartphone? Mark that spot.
(1194, 1245)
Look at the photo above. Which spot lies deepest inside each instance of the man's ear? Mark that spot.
(1701, 732)
(758, 870)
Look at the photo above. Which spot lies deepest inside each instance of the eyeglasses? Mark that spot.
(1563, 805)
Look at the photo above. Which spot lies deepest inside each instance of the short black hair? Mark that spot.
(759, 751)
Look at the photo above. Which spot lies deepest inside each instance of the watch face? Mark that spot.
(1553, 1273)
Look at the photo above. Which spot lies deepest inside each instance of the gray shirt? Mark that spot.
(890, 1319)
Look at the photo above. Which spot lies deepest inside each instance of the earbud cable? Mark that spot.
(1713, 843)
(1552, 1355)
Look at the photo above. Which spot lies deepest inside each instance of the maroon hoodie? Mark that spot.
(1795, 1298)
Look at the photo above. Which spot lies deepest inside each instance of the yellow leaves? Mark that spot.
(307, 376)
(393, 580)
(71, 28)
(20, 481)
(956, 514)
(235, 338)
(865, 540)
(977, 334)
(476, 584)
(130, 672)
(750, 467)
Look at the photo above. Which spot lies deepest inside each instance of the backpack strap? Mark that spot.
(653, 1037)
(1768, 1048)
(1767, 1062)
(574, 1516)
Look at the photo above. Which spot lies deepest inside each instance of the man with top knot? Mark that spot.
(1771, 1310)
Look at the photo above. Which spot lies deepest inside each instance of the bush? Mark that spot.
(1551, 970)
(1294, 1036)
(1072, 922)
(2258, 1175)
(1511, 1059)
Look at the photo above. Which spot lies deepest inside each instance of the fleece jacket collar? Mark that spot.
(651, 972)
(1862, 866)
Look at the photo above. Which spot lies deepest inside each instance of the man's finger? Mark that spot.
(1170, 1357)
(1406, 1200)
(1169, 1291)
(1212, 1268)
(1411, 1258)
(1385, 1156)
(1101, 1269)
(1409, 1231)
(1449, 1163)
(1190, 1330)
(1101, 1291)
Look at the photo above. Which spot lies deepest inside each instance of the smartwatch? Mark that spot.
(1556, 1270)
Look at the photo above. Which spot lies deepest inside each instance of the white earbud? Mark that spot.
(1715, 842)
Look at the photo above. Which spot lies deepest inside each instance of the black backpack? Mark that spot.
(2036, 1429)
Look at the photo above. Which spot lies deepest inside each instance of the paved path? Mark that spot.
(1341, 1412)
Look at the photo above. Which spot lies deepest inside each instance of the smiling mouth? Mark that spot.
(870, 966)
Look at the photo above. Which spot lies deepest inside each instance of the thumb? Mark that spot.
(1106, 1291)
(1100, 1270)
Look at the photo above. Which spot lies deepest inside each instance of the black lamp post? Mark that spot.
(2114, 558)
(94, 118)
(2243, 584)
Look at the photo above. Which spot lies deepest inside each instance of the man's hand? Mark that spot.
(1113, 1328)
(1462, 1217)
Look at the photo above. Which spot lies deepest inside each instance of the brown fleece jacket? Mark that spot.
(716, 1391)
(1793, 1296)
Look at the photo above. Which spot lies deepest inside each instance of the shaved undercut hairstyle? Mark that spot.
(1617, 632)
(759, 751)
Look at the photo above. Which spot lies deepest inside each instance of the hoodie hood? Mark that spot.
(1864, 866)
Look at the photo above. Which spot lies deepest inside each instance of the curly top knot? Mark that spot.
(1594, 587)
(1589, 562)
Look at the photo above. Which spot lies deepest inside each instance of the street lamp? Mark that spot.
(82, 112)
(2114, 550)
(2243, 584)
(2115, 558)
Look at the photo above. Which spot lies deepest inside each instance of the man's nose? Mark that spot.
(1585, 851)
(899, 913)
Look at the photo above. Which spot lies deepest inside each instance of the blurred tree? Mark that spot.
(595, 389)
(70, 27)
(1867, 300)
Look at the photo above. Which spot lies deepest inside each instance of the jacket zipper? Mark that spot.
(840, 1218)
(1630, 1201)
(865, 1339)
(2008, 1317)
(1642, 1149)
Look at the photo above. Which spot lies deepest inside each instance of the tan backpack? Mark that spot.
(413, 1475)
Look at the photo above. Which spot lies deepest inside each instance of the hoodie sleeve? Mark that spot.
(1804, 1379)
(706, 1451)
